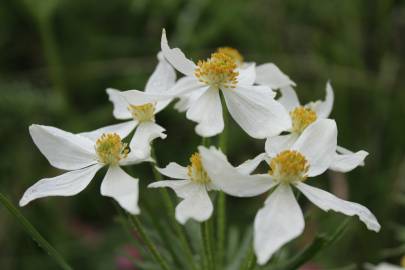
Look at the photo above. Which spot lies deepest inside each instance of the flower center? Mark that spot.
(289, 166)
(217, 71)
(233, 53)
(301, 118)
(110, 149)
(196, 170)
(142, 113)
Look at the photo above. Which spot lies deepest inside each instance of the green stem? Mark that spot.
(37, 237)
(167, 201)
(250, 261)
(206, 235)
(320, 242)
(151, 247)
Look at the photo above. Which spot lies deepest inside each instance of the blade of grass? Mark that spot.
(36, 236)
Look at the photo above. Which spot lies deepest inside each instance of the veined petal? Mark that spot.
(269, 74)
(122, 129)
(207, 112)
(289, 98)
(122, 187)
(327, 201)
(247, 75)
(318, 144)
(347, 162)
(67, 184)
(162, 78)
(229, 179)
(278, 222)
(324, 108)
(250, 165)
(188, 99)
(176, 57)
(63, 149)
(144, 135)
(196, 204)
(256, 111)
(136, 97)
(120, 110)
(186, 85)
(277, 144)
(174, 170)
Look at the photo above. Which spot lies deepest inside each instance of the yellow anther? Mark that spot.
(301, 118)
(110, 149)
(233, 53)
(142, 113)
(217, 71)
(196, 170)
(289, 166)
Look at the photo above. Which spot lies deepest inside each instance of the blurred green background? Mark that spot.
(57, 57)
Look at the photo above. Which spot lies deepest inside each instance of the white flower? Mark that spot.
(193, 187)
(143, 108)
(252, 107)
(269, 74)
(281, 218)
(82, 155)
(383, 266)
(302, 116)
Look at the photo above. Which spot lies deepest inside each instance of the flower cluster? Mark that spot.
(301, 142)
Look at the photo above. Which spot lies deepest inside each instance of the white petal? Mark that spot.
(122, 187)
(120, 104)
(347, 162)
(67, 184)
(63, 149)
(247, 75)
(383, 266)
(289, 98)
(174, 170)
(207, 112)
(229, 179)
(324, 108)
(176, 57)
(136, 97)
(196, 204)
(188, 99)
(318, 144)
(269, 74)
(277, 223)
(144, 135)
(277, 144)
(255, 110)
(162, 78)
(327, 201)
(122, 129)
(250, 165)
(186, 85)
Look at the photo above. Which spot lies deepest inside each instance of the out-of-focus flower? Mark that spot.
(281, 218)
(302, 116)
(142, 110)
(252, 107)
(82, 155)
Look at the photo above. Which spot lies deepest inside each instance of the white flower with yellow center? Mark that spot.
(252, 107)
(143, 108)
(302, 116)
(281, 218)
(82, 155)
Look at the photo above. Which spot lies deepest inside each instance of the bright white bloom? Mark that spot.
(193, 187)
(281, 218)
(269, 74)
(252, 107)
(143, 108)
(82, 155)
(302, 116)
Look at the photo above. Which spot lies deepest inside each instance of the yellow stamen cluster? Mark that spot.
(110, 149)
(289, 166)
(301, 118)
(142, 113)
(218, 71)
(196, 171)
(233, 53)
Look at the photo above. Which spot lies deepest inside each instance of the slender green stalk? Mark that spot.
(250, 260)
(36, 236)
(148, 242)
(319, 243)
(206, 234)
(167, 201)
